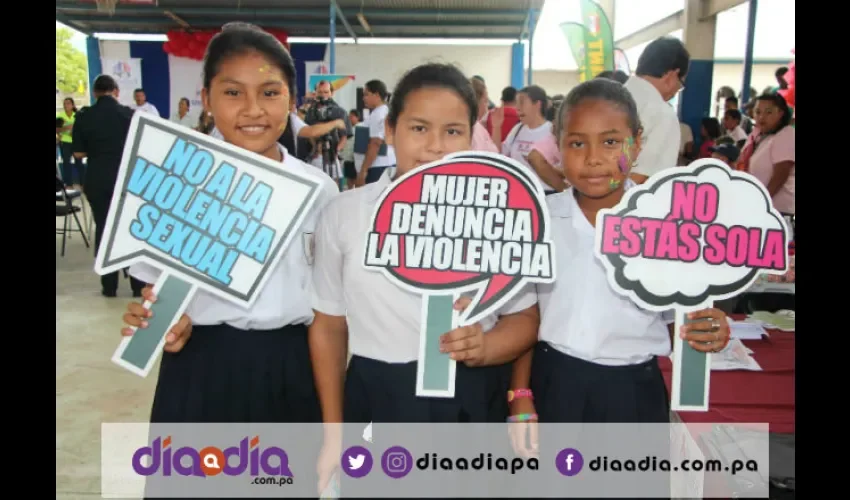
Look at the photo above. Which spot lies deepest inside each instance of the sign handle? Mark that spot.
(435, 371)
(691, 370)
(138, 352)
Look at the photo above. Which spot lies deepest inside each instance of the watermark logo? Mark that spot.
(248, 456)
(356, 461)
(569, 462)
(397, 462)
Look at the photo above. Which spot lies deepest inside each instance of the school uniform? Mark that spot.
(384, 328)
(247, 365)
(596, 359)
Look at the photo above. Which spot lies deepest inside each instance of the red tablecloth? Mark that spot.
(748, 396)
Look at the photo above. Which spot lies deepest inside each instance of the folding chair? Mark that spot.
(74, 194)
(65, 208)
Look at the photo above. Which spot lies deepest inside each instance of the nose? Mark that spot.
(252, 106)
(435, 145)
(594, 155)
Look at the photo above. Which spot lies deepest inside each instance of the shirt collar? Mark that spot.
(564, 205)
(377, 188)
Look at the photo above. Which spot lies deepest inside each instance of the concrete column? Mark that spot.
(517, 65)
(695, 100)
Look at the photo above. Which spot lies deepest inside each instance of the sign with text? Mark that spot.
(207, 214)
(472, 222)
(687, 237)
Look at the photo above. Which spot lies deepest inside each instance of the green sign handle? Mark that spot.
(139, 352)
(691, 372)
(435, 375)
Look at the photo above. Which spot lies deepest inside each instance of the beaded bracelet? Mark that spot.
(522, 417)
(519, 393)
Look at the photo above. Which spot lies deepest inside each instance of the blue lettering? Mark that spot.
(179, 155)
(200, 205)
(168, 193)
(142, 227)
(257, 200)
(233, 227)
(222, 179)
(260, 245)
(199, 167)
(145, 177)
(213, 219)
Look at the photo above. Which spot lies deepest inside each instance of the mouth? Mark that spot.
(253, 130)
(597, 179)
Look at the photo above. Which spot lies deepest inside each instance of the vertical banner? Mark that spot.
(313, 68)
(344, 88)
(574, 33)
(209, 215)
(599, 40)
(470, 223)
(687, 237)
(186, 81)
(127, 73)
(621, 62)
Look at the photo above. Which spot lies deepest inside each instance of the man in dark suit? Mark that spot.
(99, 134)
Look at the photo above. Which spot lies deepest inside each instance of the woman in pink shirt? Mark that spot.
(481, 140)
(545, 158)
(769, 153)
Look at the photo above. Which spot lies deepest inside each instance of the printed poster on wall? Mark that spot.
(127, 74)
(186, 81)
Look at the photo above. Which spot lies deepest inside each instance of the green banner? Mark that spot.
(599, 40)
(576, 35)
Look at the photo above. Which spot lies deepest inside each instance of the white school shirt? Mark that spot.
(375, 122)
(147, 108)
(383, 319)
(285, 299)
(580, 314)
(737, 134)
(188, 120)
(521, 140)
(659, 148)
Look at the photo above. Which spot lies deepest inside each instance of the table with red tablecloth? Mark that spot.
(751, 396)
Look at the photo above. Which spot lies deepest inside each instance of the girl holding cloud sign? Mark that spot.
(432, 114)
(596, 359)
(243, 365)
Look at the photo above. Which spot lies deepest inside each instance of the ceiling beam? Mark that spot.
(72, 24)
(655, 30)
(711, 8)
(341, 17)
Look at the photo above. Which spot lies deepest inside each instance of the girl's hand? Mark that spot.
(524, 434)
(497, 117)
(328, 462)
(710, 333)
(137, 316)
(466, 343)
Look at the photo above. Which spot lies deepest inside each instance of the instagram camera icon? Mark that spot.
(397, 462)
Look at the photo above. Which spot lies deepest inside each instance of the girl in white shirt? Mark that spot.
(532, 128)
(244, 365)
(596, 359)
(432, 113)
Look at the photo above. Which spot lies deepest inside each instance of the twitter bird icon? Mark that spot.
(356, 461)
(367, 433)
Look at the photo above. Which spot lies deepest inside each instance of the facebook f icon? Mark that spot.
(569, 462)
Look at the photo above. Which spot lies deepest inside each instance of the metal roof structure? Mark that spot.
(481, 19)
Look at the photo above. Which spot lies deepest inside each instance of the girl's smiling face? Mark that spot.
(249, 99)
(598, 147)
(434, 122)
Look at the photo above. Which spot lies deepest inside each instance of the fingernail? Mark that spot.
(153, 298)
(682, 335)
(144, 324)
(149, 313)
(442, 349)
(683, 329)
(169, 337)
(452, 356)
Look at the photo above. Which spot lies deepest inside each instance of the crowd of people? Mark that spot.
(570, 351)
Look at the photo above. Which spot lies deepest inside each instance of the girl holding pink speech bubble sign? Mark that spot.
(596, 359)
(242, 365)
(432, 113)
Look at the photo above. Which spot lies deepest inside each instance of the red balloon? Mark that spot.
(789, 94)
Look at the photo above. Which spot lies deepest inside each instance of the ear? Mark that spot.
(389, 133)
(634, 149)
(205, 99)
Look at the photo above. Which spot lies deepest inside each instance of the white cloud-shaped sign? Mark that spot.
(691, 235)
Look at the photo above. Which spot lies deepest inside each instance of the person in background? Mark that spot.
(182, 117)
(532, 128)
(709, 133)
(100, 132)
(781, 84)
(686, 144)
(206, 124)
(732, 126)
(545, 159)
(746, 122)
(769, 153)
(727, 153)
(506, 114)
(379, 155)
(69, 162)
(490, 104)
(481, 140)
(142, 103)
(349, 171)
(659, 76)
(616, 75)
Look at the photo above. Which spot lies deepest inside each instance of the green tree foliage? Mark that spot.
(70, 63)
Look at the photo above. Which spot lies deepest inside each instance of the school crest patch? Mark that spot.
(309, 247)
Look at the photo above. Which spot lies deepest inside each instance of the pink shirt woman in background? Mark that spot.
(545, 158)
(481, 140)
(770, 151)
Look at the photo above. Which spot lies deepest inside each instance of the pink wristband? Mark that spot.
(519, 393)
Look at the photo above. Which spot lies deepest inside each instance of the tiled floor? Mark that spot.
(90, 389)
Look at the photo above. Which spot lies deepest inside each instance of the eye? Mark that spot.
(271, 93)
(231, 92)
(611, 142)
(418, 128)
(575, 144)
(455, 131)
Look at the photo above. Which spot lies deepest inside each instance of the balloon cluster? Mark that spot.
(193, 44)
(789, 93)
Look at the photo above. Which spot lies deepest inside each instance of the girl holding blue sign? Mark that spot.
(432, 114)
(244, 365)
(596, 359)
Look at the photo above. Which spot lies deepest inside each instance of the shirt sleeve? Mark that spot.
(783, 146)
(145, 272)
(297, 123)
(549, 149)
(660, 147)
(376, 126)
(509, 139)
(78, 135)
(328, 297)
(669, 316)
(526, 298)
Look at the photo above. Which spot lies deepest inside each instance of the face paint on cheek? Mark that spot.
(613, 183)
